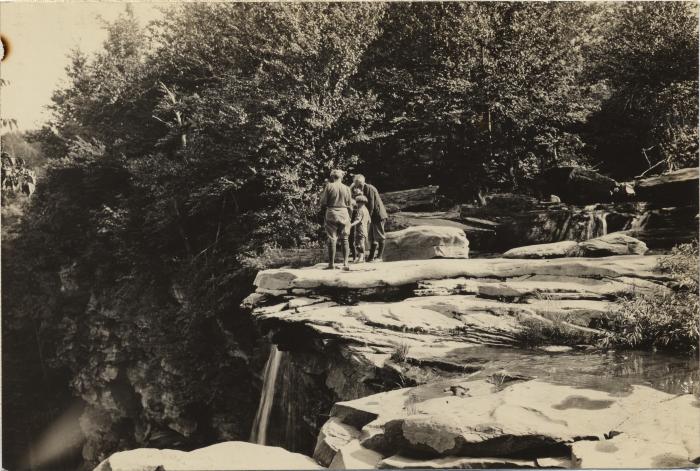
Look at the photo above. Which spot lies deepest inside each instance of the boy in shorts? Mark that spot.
(360, 225)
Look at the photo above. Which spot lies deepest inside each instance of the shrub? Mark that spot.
(668, 321)
(400, 353)
(535, 333)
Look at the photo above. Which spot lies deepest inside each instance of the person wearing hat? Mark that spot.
(336, 203)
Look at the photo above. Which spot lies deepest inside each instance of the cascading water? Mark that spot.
(638, 222)
(597, 224)
(259, 432)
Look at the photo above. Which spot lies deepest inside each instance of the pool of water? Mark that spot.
(613, 372)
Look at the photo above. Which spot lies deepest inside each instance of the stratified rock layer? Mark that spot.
(519, 423)
(409, 272)
(678, 187)
(552, 250)
(616, 243)
(431, 322)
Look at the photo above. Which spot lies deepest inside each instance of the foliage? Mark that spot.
(668, 321)
(476, 94)
(646, 55)
(535, 333)
(400, 353)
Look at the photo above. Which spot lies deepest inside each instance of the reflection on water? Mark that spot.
(613, 372)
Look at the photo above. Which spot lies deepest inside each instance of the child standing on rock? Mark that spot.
(360, 225)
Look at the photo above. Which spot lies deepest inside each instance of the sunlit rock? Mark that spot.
(220, 457)
(610, 244)
(424, 242)
(412, 271)
(553, 250)
(551, 423)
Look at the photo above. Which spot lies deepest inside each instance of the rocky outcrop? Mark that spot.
(674, 188)
(553, 250)
(616, 243)
(611, 244)
(523, 423)
(347, 335)
(417, 199)
(396, 274)
(424, 242)
(453, 331)
(546, 222)
(220, 457)
(442, 309)
(577, 185)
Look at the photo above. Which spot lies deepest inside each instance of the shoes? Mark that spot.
(346, 268)
(377, 260)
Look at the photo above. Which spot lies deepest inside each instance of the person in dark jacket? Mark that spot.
(378, 215)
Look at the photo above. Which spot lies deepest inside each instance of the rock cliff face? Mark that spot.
(379, 327)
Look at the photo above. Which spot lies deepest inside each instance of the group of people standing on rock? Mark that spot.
(356, 216)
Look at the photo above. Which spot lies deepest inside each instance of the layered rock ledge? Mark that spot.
(508, 422)
(402, 273)
(433, 312)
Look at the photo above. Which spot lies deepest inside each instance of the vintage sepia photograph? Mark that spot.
(276, 235)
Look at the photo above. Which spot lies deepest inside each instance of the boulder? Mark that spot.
(577, 185)
(610, 244)
(553, 250)
(425, 242)
(220, 457)
(355, 456)
(679, 187)
(333, 436)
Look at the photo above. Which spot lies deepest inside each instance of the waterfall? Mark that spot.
(638, 222)
(601, 217)
(259, 432)
(597, 224)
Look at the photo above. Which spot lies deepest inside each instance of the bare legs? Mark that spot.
(332, 251)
